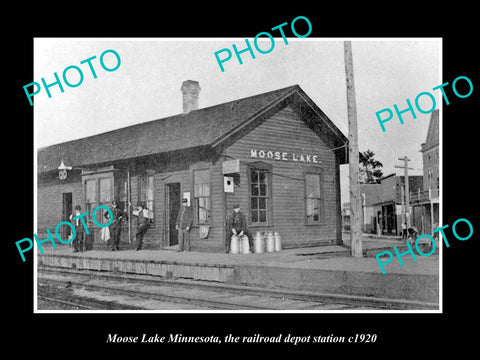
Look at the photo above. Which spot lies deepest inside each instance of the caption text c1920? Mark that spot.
(252, 339)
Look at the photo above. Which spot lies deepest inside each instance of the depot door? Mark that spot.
(173, 207)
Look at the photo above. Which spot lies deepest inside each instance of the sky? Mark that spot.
(146, 85)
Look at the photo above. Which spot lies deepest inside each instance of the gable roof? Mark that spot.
(213, 127)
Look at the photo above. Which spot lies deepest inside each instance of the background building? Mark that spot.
(383, 205)
(425, 202)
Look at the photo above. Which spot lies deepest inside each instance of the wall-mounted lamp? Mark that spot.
(62, 171)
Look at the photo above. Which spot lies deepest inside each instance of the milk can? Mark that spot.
(235, 244)
(258, 243)
(278, 241)
(245, 246)
(270, 242)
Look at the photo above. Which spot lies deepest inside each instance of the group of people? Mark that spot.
(236, 224)
(409, 233)
(113, 231)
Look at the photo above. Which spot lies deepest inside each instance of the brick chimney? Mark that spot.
(190, 90)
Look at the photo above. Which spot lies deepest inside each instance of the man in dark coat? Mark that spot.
(237, 225)
(78, 242)
(116, 225)
(144, 219)
(184, 225)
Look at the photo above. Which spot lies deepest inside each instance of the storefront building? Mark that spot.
(276, 154)
(426, 204)
(389, 209)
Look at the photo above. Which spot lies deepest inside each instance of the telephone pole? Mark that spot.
(353, 156)
(402, 197)
(405, 160)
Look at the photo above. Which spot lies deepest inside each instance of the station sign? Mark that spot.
(231, 166)
(285, 156)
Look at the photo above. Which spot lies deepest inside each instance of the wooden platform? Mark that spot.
(322, 269)
(168, 269)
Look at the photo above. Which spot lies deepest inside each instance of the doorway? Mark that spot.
(173, 207)
(66, 212)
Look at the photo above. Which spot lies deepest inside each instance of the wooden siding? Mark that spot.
(157, 237)
(50, 205)
(431, 161)
(285, 132)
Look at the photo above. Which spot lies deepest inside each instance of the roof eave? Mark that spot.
(340, 142)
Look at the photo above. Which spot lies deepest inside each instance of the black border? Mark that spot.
(60, 334)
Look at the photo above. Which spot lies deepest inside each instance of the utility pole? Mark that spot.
(353, 156)
(402, 197)
(405, 160)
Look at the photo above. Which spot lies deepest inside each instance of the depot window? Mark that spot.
(146, 190)
(90, 196)
(313, 199)
(260, 196)
(201, 195)
(98, 191)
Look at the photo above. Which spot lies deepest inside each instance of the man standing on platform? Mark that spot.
(237, 225)
(183, 225)
(78, 242)
(116, 225)
(144, 219)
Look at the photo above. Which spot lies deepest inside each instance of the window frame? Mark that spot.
(321, 199)
(89, 206)
(141, 179)
(267, 168)
(96, 178)
(195, 197)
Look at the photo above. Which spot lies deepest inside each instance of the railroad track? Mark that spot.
(95, 290)
(67, 302)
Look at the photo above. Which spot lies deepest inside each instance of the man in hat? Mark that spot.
(145, 217)
(184, 225)
(116, 225)
(237, 225)
(78, 242)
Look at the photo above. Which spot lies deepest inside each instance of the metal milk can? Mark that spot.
(234, 244)
(270, 242)
(258, 243)
(278, 241)
(244, 245)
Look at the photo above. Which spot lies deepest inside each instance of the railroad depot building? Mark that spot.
(276, 154)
